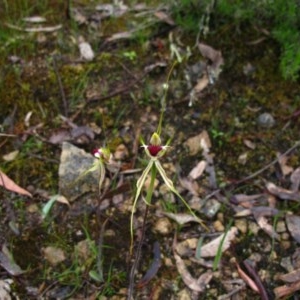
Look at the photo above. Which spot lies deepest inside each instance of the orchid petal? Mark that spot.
(170, 185)
(139, 185)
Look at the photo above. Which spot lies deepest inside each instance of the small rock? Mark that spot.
(281, 227)
(265, 120)
(185, 247)
(163, 226)
(211, 207)
(73, 163)
(241, 225)
(183, 295)
(218, 226)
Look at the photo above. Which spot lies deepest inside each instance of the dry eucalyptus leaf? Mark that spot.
(10, 185)
(282, 193)
(214, 56)
(5, 289)
(182, 219)
(11, 156)
(249, 144)
(187, 278)
(7, 262)
(265, 226)
(211, 249)
(293, 224)
(197, 171)
(282, 161)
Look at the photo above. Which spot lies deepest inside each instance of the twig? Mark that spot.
(251, 176)
(137, 258)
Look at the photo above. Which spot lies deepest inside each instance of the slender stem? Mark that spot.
(138, 252)
(164, 101)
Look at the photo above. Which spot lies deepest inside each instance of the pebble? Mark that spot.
(163, 226)
(241, 225)
(281, 227)
(218, 226)
(265, 120)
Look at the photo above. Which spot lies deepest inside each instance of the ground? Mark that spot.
(96, 76)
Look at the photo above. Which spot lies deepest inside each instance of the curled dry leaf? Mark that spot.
(282, 193)
(265, 226)
(249, 144)
(182, 219)
(7, 262)
(10, 185)
(293, 225)
(282, 161)
(211, 249)
(197, 285)
(214, 56)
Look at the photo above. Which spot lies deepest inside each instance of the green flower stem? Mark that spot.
(151, 187)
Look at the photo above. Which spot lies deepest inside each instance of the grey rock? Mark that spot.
(73, 181)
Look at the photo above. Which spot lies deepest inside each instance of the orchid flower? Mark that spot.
(155, 151)
(104, 157)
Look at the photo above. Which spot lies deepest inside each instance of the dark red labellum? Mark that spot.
(154, 150)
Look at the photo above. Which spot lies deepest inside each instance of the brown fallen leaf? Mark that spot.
(286, 290)
(214, 56)
(197, 171)
(282, 193)
(10, 185)
(265, 226)
(211, 249)
(282, 161)
(7, 262)
(291, 276)
(182, 219)
(293, 225)
(197, 285)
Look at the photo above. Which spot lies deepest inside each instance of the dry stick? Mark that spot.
(62, 92)
(297, 144)
(260, 286)
(137, 257)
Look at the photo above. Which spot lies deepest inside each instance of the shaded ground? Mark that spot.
(117, 96)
